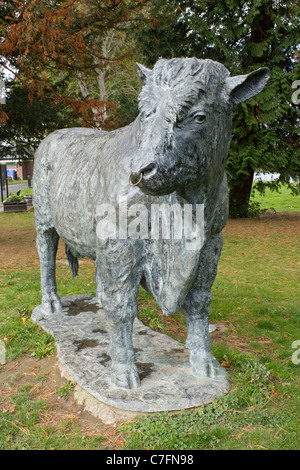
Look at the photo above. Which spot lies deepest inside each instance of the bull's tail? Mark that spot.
(73, 261)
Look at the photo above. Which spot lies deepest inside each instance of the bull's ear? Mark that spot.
(143, 72)
(243, 87)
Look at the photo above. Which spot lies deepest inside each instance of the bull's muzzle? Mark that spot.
(144, 173)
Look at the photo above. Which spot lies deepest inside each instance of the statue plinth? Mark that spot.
(167, 382)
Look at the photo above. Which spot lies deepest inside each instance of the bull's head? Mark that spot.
(185, 118)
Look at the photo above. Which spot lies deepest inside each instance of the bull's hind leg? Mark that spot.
(196, 311)
(118, 283)
(47, 242)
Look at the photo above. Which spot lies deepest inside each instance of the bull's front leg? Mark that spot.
(47, 243)
(118, 282)
(120, 325)
(196, 312)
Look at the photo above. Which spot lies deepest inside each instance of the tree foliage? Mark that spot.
(65, 50)
(164, 34)
(29, 121)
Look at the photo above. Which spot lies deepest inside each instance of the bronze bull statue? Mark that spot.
(173, 154)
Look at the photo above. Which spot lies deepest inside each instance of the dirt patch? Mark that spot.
(45, 380)
(283, 223)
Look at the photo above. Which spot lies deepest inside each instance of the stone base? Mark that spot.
(107, 414)
(167, 383)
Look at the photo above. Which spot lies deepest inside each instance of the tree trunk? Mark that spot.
(240, 189)
(239, 195)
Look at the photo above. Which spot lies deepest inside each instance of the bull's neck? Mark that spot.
(207, 194)
(206, 188)
(193, 194)
(198, 193)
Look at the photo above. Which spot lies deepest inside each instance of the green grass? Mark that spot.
(26, 192)
(255, 300)
(252, 416)
(19, 429)
(65, 390)
(277, 201)
(17, 182)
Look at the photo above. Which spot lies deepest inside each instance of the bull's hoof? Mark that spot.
(206, 365)
(51, 305)
(126, 376)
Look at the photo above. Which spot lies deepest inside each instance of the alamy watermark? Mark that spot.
(155, 222)
(2, 92)
(296, 354)
(2, 352)
(296, 94)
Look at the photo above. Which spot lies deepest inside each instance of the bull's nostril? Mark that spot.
(147, 171)
(150, 168)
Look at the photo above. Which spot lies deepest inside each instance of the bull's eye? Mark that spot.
(149, 113)
(199, 118)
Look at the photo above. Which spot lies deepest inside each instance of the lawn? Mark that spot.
(17, 182)
(255, 307)
(277, 201)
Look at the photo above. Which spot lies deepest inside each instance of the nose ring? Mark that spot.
(135, 184)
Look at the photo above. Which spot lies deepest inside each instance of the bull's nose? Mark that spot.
(144, 173)
(148, 170)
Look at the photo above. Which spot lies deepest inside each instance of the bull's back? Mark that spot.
(65, 178)
(49, 157)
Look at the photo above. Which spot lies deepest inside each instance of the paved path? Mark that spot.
(12, 188)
